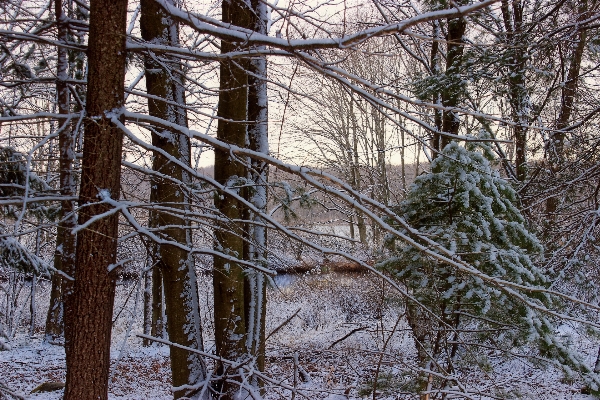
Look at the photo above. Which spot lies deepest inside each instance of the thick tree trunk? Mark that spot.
(64, 256)
(154, 308)
(88, 328)
(424, 334)
(176, 265)
(229, 278)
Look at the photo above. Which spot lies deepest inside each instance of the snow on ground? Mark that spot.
(142, 374)
(337, 336)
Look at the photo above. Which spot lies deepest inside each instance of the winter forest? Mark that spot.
(308, 199)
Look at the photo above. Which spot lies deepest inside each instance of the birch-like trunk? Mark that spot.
(174, 265)
(88, 327)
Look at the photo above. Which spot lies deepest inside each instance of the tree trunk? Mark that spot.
(451, 94)
(148, 303)
(519, 99)
(88, 328)
(437, 98)
(402, 159)
(513, 21)
(176, 265)
(229, 278)
(158, 303)
(423, 328)
(356, 175)
(32, 302)
(64, 256)
(153, 296)
(568, 93)
(256, 246)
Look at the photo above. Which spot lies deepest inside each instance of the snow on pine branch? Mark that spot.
(15, 255)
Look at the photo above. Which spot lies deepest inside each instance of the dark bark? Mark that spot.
(169, 189)
(54, 332)
(158, 307)
(153, 296)
(437, 98)
(451, 94)
(517, 62)
(88, 328)
(228, 277)
(64, 257)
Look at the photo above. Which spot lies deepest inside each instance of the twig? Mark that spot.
(362, 328)
(385, 344)
(287, 321)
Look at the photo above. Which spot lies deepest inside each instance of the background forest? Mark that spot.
(311, 199)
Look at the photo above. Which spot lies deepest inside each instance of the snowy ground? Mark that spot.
(329, 307)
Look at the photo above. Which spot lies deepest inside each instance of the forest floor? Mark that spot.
(339, 334)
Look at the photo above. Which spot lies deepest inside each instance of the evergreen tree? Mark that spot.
(467, 207)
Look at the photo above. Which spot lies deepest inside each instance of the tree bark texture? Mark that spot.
(228, 277)
(256, 245)
(88, 328)
(64, 256)
(169, 189)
